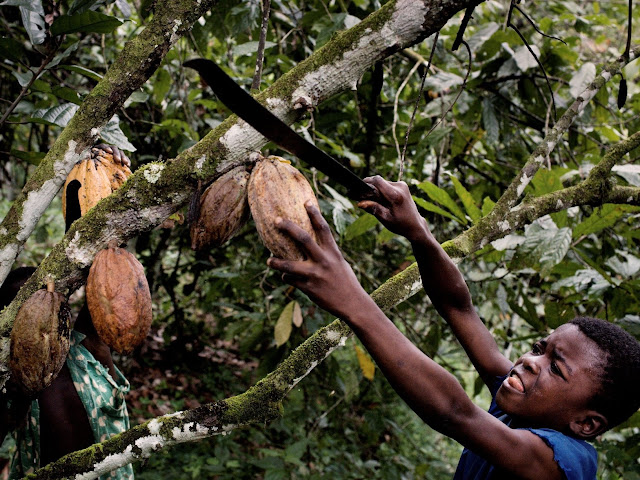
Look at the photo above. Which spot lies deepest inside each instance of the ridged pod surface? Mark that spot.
(118, 298)
(223, 210)
(39, 340)
(277, 189)
(99, 175)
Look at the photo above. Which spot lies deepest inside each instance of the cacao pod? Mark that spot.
(118, 298)
(39, 340)
(277, 189)
(99, 175)
(223, 210)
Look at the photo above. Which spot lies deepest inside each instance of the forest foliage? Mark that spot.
(223, 320)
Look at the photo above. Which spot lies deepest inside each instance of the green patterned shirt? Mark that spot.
(103, 399)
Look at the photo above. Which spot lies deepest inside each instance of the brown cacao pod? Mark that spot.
(39, 340)
(277, 189)
(118, 298)
(223, 210)
(99, 175)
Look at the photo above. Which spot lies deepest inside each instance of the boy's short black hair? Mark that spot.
(619, 395)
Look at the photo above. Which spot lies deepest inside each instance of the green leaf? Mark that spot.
(602, 218)
(283, 327)
(161, 85)
(490, 121)
(58, 58)
(113, 135)
(430, 207)
(11, 49)
(88, 22)
(439, 195)
(82, 71)
(557, 313)
(250, 48)
(467, 200)
(542, 249)
(79, 6)
(59, 115)
(487, 206)
(33, 21)
(33, 158)
(68, 94)
(23, 78)
(362, 224)
(523, 58)
(582, 79)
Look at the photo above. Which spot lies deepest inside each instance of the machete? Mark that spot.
(274, 129)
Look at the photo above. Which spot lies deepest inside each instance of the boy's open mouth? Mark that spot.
(515, 382)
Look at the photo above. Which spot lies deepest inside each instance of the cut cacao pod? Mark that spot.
(39, 340)
(223, 210)
(98, 176)
(277, 189)
(118, 298)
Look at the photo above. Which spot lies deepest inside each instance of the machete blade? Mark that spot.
(271, 127)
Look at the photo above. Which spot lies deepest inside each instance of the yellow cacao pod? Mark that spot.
(99, 175)
(39, 340)
(118, 298)
(223, 210)
(277, 189)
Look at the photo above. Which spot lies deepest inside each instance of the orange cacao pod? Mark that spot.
(39, 340)
(223, 210)
(118, 298)
(99, 175)
(277, 189)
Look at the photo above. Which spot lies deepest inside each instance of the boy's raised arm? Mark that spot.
(432, 392)
(441, 279)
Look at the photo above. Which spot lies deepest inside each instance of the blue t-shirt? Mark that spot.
(576, 458)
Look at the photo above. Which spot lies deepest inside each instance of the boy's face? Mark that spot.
(552, 384)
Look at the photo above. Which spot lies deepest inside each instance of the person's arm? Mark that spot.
(432, 392)
(441, 279)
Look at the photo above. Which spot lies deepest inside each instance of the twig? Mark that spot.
(536, 27)
(415, 107)
(395, 107)
(26, 88)
(462, 87)
(266, 9)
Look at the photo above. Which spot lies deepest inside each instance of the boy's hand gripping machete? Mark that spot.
(274, 129)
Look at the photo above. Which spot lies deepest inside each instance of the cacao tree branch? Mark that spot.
(136, 63)
(515, 190)
(157, 190)
(596, 189)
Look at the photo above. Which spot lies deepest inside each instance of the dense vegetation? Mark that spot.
(482, 110)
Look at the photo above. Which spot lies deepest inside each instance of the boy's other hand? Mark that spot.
(324, 276)
(396, 210)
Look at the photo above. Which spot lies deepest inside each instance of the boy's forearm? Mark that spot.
(432, 392)
(441, 279)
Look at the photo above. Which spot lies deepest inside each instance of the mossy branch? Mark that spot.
(138, 60)
(537, 158)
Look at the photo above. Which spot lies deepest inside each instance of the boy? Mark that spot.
(573, 385)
